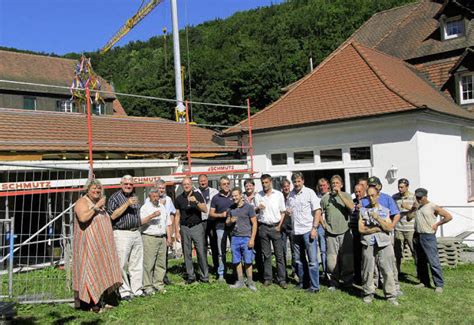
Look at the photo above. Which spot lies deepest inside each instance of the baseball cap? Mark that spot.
(403, 181)
(420, 192)
(373, 181)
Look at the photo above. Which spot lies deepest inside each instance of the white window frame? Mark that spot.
(100, 109)
(68, 106)
(460, 88)
(453, 20)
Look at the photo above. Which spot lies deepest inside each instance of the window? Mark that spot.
(331, 155)
(279, 159)
(466, 90)
(29, 103)
(98, 109)
(453, 28)
(304, 157)
(67, 106)
(360, 153)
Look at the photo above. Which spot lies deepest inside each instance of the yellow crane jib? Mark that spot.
(132, 22)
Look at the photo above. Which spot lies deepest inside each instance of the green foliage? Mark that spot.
(252, 54)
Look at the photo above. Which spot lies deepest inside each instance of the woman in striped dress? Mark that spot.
(96, 268)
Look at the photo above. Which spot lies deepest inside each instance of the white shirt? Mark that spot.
(274, 207)
(169, 206)
(212, 192)
(157, 225)
(302, 205)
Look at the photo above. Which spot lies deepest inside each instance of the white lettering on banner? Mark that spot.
(66, 183)
(220, 168)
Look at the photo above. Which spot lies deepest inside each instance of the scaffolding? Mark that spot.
(37, 209)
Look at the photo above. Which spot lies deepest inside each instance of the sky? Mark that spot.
(64, 26)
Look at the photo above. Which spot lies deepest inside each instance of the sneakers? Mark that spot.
(221, 279)
(332, 288)
(368, 299)
(237, 285)
(311, 290)
(420, 285)
(393, 301)
(400, 293)
(439, 290)
(251, 286)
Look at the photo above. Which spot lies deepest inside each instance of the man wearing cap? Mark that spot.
(124, 210)
(405, 228)
(387, 201)
(337, 207)
(426, 246)
(377, 251)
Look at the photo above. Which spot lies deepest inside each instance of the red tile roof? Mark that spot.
(437, 71)
(410, 31)
(353, 82)
(40, 69)
(23, 130)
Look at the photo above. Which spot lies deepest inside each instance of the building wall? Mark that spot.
(43, 103)
(429, 154)
(442, 151)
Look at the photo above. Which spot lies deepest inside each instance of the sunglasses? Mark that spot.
(127, 184)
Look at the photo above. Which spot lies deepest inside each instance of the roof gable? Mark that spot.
(354, 82)
(40, 69)
(411, 31)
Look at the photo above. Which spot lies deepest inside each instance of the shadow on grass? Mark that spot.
(25, 320)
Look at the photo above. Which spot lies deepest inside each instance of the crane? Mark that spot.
(132, 22)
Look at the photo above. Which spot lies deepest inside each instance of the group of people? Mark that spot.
(120, 244)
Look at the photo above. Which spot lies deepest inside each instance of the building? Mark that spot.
(394, 100)
(40, 125)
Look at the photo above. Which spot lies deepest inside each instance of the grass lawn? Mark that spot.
(213, 303)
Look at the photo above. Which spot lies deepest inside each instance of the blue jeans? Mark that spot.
(306, 259)
(426, 248)
(221, 245)
(322, 246)
(285, 236)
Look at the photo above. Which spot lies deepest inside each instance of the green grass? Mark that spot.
(214, 303)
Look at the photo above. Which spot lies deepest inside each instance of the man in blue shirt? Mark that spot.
(388, 202)
(375, 228)
(220, 205)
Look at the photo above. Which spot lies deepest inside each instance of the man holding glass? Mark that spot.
(124, 210)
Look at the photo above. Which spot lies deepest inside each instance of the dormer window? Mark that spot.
(466, 89)
(452, 27)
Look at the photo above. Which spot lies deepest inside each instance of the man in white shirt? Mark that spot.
(156, 235)
(305, 212)
(171, 210)
(271, 210)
